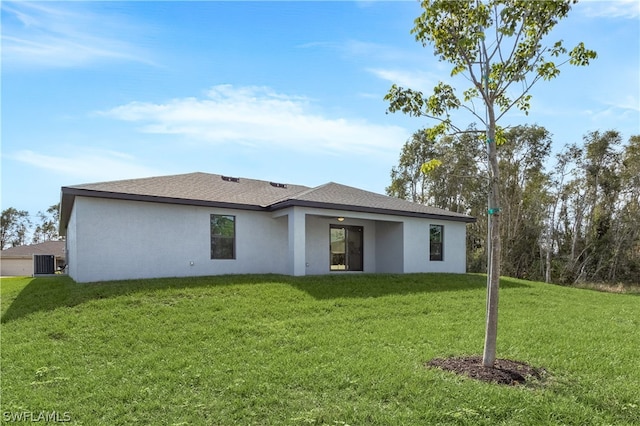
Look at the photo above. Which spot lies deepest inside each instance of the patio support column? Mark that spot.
(297, 242)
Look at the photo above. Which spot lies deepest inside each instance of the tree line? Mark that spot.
(577, 221)
(17, 227)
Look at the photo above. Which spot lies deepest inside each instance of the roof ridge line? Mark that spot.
(309, 191)
(292, 197)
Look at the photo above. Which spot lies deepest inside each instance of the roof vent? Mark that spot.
(278, 185)
(230, 179)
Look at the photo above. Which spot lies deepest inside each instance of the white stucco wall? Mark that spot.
(71, 244)
(117, 239)
(16, 267)
(416, 246)
(390, 247)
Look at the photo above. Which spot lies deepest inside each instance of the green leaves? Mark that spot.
(523, 104)
(442, 100)
(406, 100)
(430, 165)
(411, 102)
(548, 70)
(470, 94)
(493, 44)
(501, 136)
(581, 56)
(437, 131)
(453, 27)
(557, 49)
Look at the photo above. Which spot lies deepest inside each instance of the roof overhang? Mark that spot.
(363, 209)
(68, 195)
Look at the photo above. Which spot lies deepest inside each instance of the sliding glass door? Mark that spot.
(346, 248)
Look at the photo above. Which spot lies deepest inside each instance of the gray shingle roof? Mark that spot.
(199, 186)
(207, 189)
(48, 247)
(350, 198)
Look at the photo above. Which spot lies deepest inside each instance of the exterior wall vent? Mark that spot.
(230, 179)
(278, 185)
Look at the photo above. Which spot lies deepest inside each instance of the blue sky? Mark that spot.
(284, 91)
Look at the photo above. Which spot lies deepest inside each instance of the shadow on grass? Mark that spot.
(375, 285)
(49, 293)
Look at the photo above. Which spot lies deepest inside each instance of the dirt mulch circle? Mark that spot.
(504, 371)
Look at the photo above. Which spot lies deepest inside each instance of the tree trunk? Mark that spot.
(551, 234)
(493, 258)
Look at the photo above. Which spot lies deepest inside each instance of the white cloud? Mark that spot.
(416, 80)
(353, 48)
(629, 103)
(55, 35)
(618, 116)
(260, 116)
(629, 9)
(87, 165)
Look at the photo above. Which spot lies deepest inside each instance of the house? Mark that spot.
(19, 261)
(207, 224)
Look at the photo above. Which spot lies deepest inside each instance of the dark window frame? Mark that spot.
(220, 247)
(436, 248)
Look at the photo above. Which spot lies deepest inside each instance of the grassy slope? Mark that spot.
(327, 350)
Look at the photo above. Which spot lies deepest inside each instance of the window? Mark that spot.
(436, 238)
(223, 237)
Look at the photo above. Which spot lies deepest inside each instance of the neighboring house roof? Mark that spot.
(204, 189)
(48, 247)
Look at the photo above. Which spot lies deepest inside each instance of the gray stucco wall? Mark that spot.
(118, 239)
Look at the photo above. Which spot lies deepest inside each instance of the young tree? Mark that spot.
(14, 225)
(497, 45)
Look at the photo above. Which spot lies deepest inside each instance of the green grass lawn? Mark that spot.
(334, 350)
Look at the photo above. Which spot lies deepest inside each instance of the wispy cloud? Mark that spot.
(262, 117)
(629, 103)
(629, 9)
(623, 117)
(87, 165)
(353, 48)
(62, 35)
(416, 80)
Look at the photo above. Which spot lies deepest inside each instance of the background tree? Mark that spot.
(626, 257)
(596, 234)
(14, 227)
(459, 184)
(407, 180)
(47, 229)
(525, 196)
(497, 46)
(550, 240)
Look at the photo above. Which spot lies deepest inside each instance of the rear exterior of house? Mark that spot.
(202, 224)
